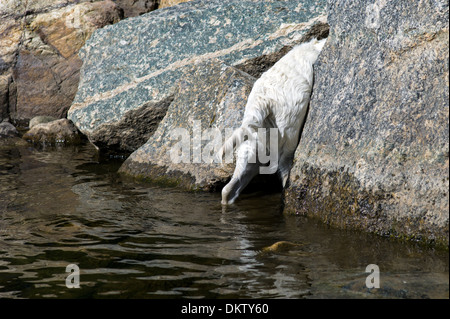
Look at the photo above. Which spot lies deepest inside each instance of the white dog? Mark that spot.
(279, 99)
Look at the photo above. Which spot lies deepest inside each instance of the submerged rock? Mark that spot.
(61, 131)
(210, 98)
(140, 60)
(374, 152)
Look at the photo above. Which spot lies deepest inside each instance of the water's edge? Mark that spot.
(136, 240)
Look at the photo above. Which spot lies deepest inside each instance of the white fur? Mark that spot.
(279, 99)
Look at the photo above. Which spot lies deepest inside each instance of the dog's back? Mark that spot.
(279, 99)
(281, 93)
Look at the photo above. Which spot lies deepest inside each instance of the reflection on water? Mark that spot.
(60, 207)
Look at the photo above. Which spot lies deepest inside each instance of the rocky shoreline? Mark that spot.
(373, 155)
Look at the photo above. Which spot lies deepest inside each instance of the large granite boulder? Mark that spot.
(374, 152)
(208, 104)
(39, 42)
(138, 62)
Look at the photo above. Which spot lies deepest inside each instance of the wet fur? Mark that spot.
(279, 99)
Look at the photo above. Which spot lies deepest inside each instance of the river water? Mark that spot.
(133, 240)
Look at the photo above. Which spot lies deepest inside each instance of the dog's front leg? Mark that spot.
(247, 167)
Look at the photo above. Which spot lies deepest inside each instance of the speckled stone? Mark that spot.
(374, 152)
(215, 106)
(140, 60)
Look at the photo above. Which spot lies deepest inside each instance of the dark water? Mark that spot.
(61, 207)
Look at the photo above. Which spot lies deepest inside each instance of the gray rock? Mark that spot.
(140, 60)
(61, 132)
(40, 119)
(211, 93)
(374, 152)
(8, 130)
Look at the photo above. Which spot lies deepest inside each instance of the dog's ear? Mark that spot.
(319, 44)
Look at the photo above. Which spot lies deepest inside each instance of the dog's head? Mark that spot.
(318, 44)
